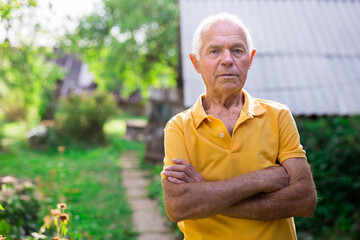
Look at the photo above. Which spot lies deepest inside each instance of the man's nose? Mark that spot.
(227, 58)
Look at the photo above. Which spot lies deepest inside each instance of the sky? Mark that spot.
(54, 22)
(73, 8)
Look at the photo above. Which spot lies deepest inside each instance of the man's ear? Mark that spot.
(195, 62)
(252, 57)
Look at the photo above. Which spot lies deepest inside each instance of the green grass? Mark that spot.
(87, 179)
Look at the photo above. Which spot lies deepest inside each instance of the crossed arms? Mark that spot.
(267, 194)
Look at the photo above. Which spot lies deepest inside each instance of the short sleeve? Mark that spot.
(174, 143)
(289, 138)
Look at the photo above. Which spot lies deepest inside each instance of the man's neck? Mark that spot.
(226, 109)
(223, 102)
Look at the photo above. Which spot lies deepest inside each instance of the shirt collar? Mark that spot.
(251, 108)
(198, 112)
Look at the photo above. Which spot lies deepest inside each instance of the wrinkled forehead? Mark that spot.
(223, 29)
(222, 24)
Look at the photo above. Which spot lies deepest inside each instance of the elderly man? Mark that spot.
(234, 167)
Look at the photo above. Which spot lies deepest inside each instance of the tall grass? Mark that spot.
(88, 179)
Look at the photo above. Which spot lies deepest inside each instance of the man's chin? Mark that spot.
(230, 88)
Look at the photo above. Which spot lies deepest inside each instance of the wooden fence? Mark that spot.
(163, 104)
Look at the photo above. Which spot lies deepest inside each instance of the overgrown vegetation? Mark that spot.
(27, 80)
(27, 76)
(86, 178)
(333, 150)
(129, 45)
(82, 117)
(21, 207)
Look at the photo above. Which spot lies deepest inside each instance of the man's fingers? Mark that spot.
(181, 161)
(183, 171)
(179, 175)
(178, 168)
(175, 180)
(189, 169)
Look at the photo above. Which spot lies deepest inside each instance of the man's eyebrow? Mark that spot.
(213, 46)
(238, 45)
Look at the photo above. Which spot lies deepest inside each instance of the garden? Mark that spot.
(85, 177)
(61, 148)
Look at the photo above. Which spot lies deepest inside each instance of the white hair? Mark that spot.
(210, 21)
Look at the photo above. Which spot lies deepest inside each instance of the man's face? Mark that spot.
(224, 58)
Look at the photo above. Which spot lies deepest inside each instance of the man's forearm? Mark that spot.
(204, 199)
(276, 205)
(193, 200)
(298, 199)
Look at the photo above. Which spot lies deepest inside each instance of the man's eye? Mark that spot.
(238, 50)
(214, 51)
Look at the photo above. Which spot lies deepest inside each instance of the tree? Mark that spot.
(27, 75)
(7, 10)
(130, 44)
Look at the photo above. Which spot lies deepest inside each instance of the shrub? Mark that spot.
(82, 117)
(2, 121)
(13, 107)
(21, 204)
(333, 150)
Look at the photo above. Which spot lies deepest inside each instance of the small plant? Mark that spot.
(2, 121)
(57, 218)
(19, 207)
(82, 118)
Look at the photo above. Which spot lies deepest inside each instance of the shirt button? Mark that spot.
(222, 135)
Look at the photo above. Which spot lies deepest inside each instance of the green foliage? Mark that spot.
(21, 208)
(27, 79)
(130, 45)
(7, 8)
(2, 121)
(333, 148)
(27, 75)
(87, 179)
(82, 118)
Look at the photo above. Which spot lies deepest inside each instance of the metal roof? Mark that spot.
(308, 51)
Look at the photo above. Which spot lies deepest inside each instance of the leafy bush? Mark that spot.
(82, 117)
(21, 204)
(13, 107)
(333, 150)
(27, 80)
(2, 121)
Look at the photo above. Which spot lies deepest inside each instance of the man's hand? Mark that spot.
(182, 172)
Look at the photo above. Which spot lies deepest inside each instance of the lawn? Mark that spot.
(88, 179)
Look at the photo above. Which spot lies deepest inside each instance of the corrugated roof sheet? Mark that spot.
(308, 52)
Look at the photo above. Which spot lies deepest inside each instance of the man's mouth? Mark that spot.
(227, 75)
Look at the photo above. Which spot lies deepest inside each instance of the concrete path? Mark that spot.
(147, 220)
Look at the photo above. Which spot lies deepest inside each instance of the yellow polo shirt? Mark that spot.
(264, 135)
